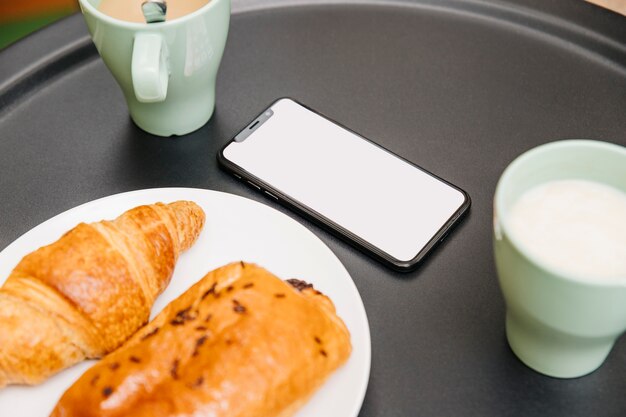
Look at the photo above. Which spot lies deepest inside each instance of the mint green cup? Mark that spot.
(167, 71)
(558, 324)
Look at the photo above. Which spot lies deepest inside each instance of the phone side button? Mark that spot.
(271, 195)
(254, 185)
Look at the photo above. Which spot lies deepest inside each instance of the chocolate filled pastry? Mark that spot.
(239, 343)
(87, 293)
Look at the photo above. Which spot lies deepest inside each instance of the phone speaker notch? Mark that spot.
(243, 135)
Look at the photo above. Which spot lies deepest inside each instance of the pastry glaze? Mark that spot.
(240, 342)
(87, 293)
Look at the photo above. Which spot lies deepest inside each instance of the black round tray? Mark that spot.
(458, 87)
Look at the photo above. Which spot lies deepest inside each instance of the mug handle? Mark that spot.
(149, 68)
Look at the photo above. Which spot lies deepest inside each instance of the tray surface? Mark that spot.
(458, 87)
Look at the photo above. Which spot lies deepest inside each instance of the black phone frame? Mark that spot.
(327, 224)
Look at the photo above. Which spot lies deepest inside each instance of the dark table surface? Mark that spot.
(458, 87)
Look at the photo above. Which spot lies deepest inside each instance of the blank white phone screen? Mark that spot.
(377, 196)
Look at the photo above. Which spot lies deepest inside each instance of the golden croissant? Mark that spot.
(239, 343)
(85, 294)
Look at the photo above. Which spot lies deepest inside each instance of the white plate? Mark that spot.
(236, 229)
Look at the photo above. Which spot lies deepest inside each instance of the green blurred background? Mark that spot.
(18, 18)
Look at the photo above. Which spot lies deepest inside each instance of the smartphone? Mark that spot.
(384, 205)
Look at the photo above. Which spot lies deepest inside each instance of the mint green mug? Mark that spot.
(557, 324)
(167, 70)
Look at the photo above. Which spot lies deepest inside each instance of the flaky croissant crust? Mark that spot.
(85, 294)
(239, 343)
